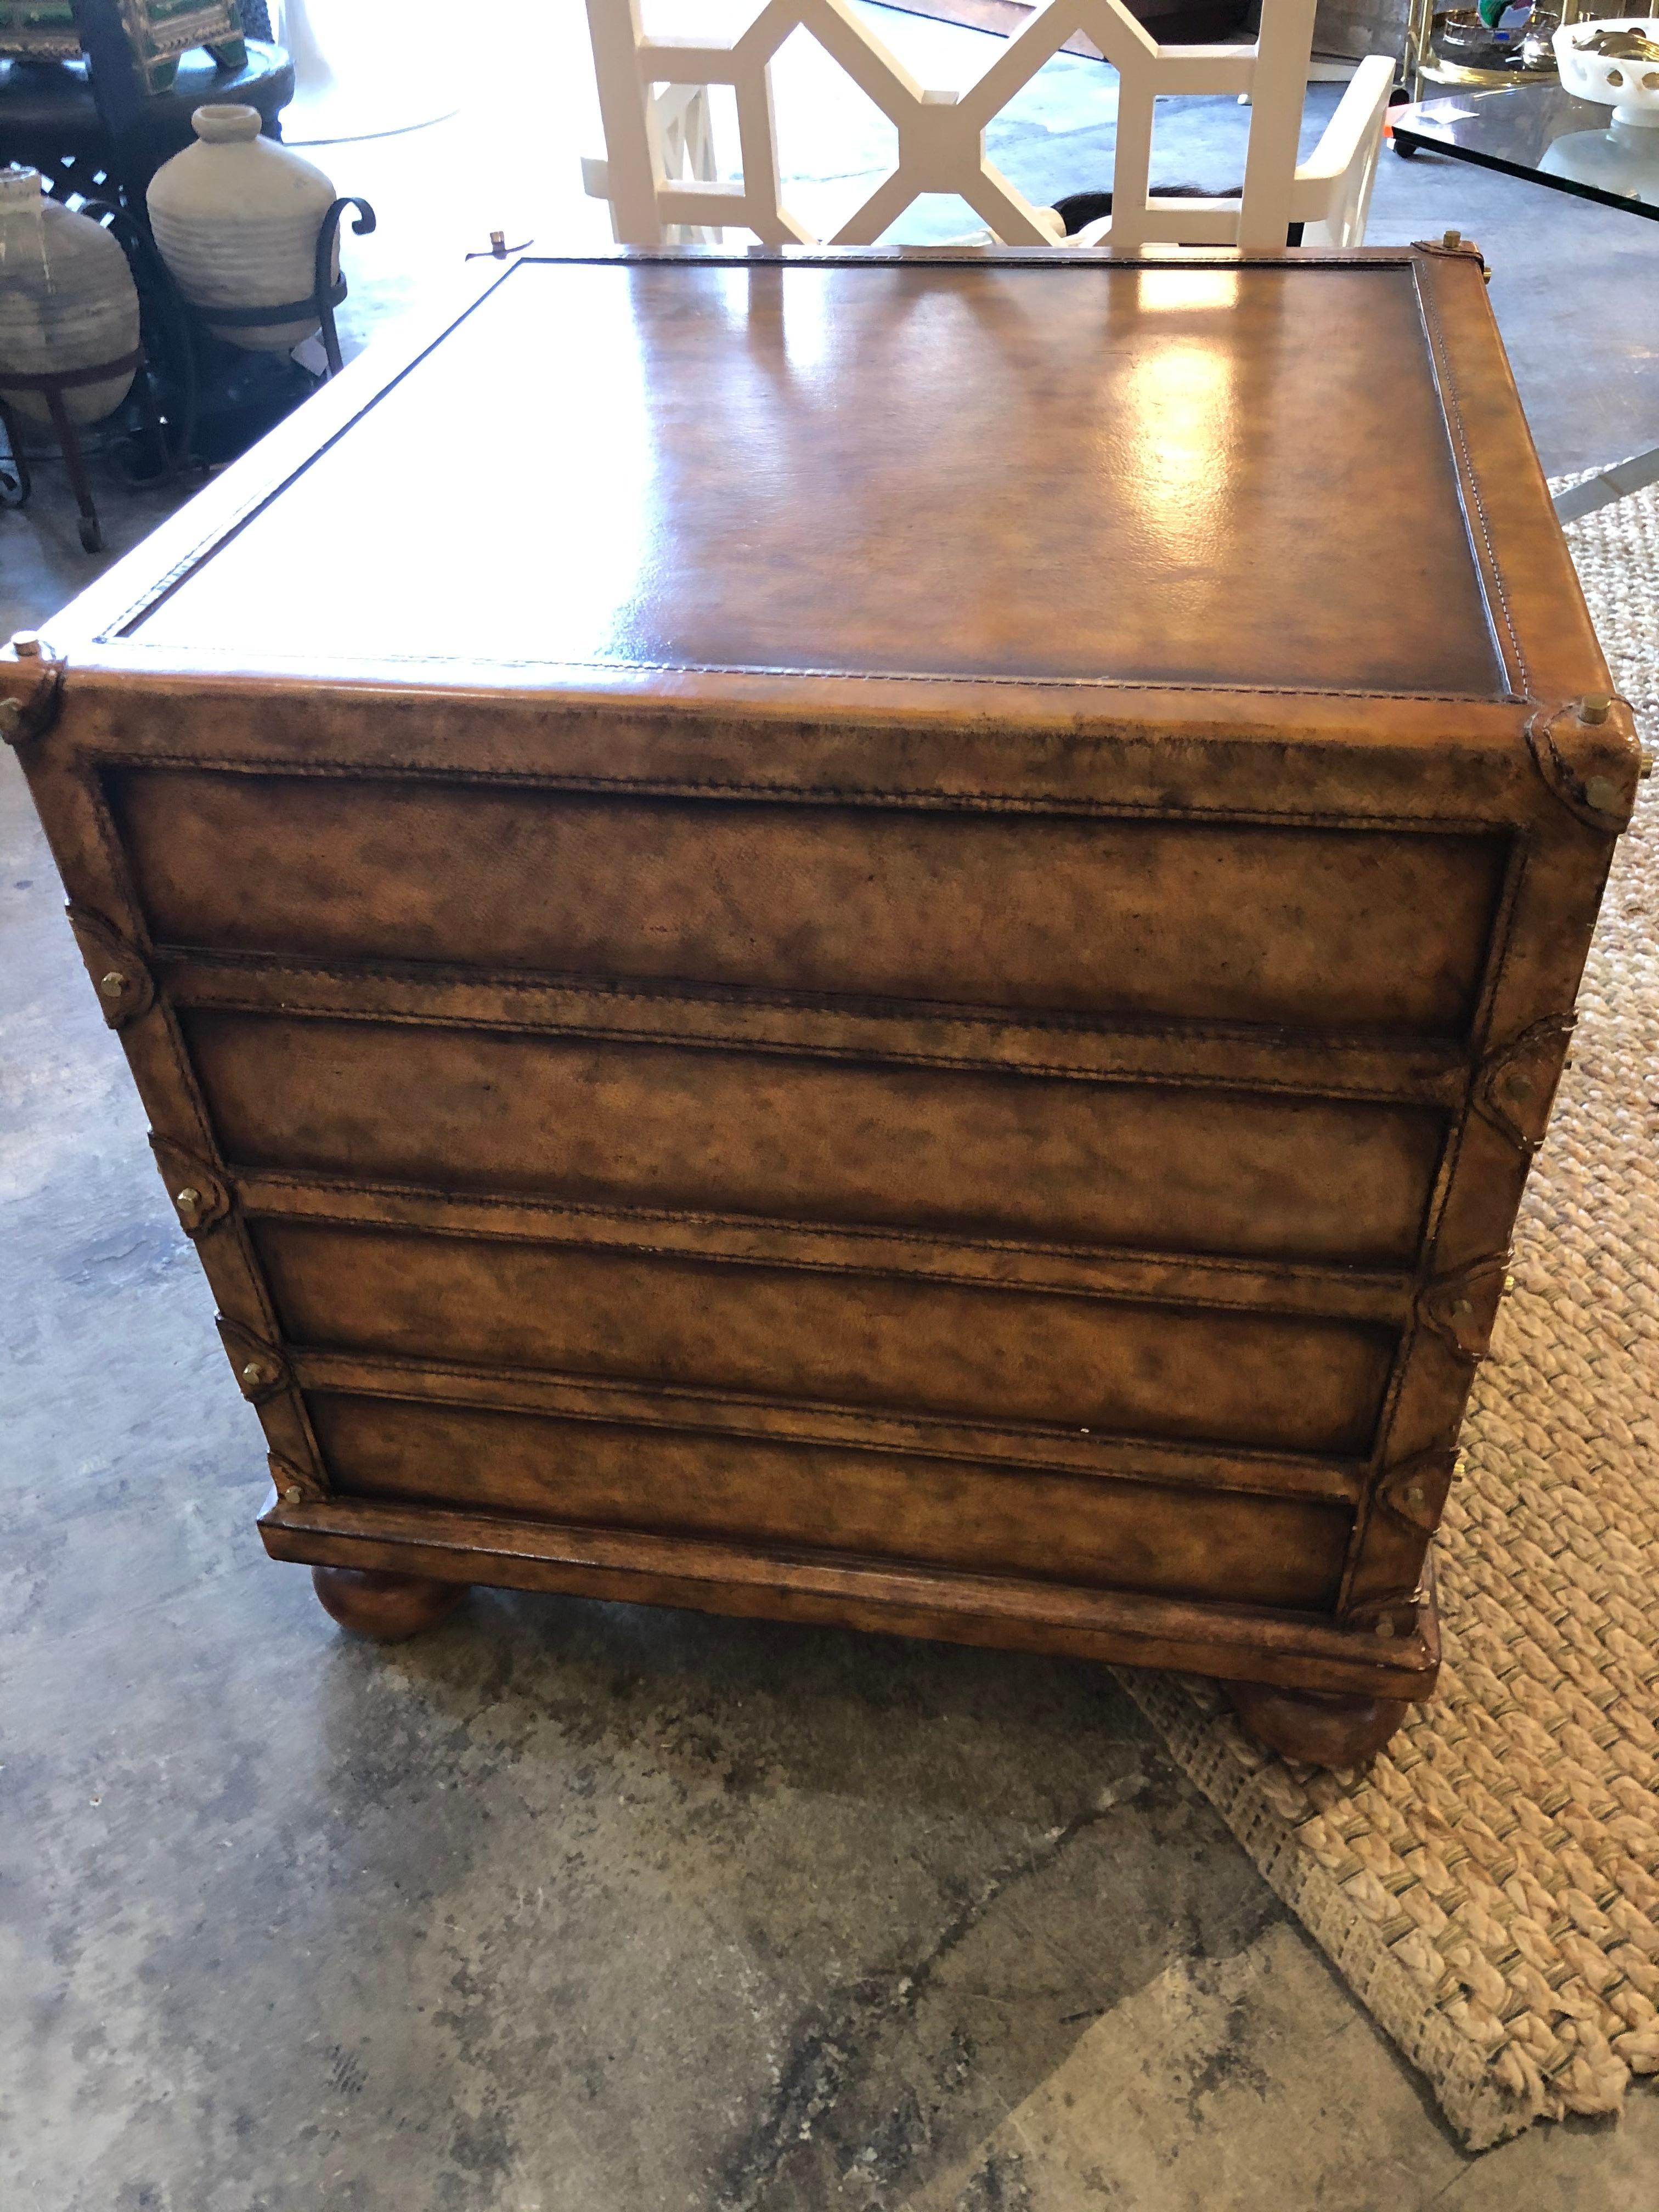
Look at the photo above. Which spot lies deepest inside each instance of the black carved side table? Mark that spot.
(96, 148)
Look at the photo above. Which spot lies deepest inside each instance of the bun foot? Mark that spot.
(388, 1607)
(1317, 1728)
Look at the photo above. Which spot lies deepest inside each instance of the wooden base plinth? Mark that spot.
(446, 1548)
(1317, 1728)
(386, 1607)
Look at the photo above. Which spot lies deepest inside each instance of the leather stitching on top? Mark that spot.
(1454, 414)
(1032, 683)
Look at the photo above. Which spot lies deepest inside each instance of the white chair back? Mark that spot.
(1333, 193)
(658, 171)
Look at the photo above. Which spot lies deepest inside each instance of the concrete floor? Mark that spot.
(570, 1908)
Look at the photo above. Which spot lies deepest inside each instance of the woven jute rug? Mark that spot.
(1490, 1887)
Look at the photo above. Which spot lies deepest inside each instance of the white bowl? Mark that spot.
(1627, 82)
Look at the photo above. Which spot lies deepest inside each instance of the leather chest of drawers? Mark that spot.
(897, 964)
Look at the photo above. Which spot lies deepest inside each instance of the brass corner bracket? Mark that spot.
(200, 1197)
(1590, 759)
(261, 1370)
(23, 719)
(1461, 1308)
(1516, 1082)
(126, 990)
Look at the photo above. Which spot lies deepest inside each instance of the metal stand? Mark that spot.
(51, 389)
(164, 359)
(327, 291)
(166, 389)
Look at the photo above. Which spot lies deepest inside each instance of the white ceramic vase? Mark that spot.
(236, 217)
(67, 300)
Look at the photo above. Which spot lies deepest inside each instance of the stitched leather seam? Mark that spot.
(447, 1371)
(850, 1007)
(1500, 696)
(1454, 415)
(821, 1004)
(1265, 1085)
(1151, 1300)
(1401, 1280)
(920, 797)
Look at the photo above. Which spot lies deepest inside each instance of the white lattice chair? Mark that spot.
(658, 173)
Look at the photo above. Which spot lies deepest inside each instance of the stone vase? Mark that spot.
(67, 301)
(236, 217)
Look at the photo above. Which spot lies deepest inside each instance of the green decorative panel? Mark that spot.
(158, 31)
(161, 30)
(38, 30)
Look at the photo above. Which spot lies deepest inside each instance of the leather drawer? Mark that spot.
(963, 1151)
(1070, 1528)
(1302, 1383)
(1360, 930)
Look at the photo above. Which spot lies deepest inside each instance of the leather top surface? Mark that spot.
(1239, 476)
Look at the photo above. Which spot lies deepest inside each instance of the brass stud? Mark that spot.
(292, 1494)
(1509, 1285)
(1385, 1627)
(1595, 708)
(1452, 239)
(1414, 1496)
(12, 717)
(1644, 769)
(114, 984)
(1462, 1310)
(256, 1372)
(187, 1199)
(26, 644)
(1602, 793)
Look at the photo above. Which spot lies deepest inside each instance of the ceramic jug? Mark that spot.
(67, 300)
(236, 217)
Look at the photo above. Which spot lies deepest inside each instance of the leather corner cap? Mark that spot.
(1587, 753)
(988, 474)
(31, 697)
